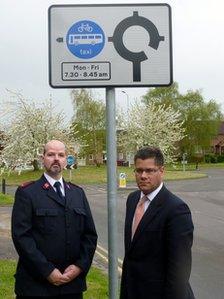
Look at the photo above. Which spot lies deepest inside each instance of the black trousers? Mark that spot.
(73, 296)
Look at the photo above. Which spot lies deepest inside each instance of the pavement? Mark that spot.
(7, 250)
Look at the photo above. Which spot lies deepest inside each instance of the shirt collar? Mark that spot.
(153, 194)
(52, 181)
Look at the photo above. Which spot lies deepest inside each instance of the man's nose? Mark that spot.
(144, 174)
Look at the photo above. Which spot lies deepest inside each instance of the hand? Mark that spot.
(57, 278)
(71, 272)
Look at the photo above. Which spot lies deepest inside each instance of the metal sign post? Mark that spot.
(70, 163)
(112, 192)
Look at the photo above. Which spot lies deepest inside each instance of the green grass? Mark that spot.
(97, 285)
(97, 282)
(7, 270)
(192, 166)
(98, 175)
(180, 175)
(81, 175)
(90, 175)
(6, 200)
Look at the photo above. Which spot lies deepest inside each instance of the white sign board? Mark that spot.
(110, 45)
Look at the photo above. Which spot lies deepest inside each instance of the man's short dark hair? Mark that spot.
(148, 152)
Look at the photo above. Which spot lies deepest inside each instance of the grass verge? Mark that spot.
(97, 282)
(97, 175)
(6, 200)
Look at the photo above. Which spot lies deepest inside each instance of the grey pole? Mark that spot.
(112, 192)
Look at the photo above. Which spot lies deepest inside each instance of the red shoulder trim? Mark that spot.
(69, 185)
(26, 184)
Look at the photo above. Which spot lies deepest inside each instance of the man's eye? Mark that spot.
(149, 170)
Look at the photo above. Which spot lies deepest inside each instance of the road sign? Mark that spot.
(131, 47)
(70, 160)
(122, 180)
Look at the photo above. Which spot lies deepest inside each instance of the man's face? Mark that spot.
(148, 175)
(54, 158)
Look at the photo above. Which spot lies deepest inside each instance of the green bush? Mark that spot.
(213, 159)
(220, 158)
(210, 158)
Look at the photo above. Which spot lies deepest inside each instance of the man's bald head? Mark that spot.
(53, 144)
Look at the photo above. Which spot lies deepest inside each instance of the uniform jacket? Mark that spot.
(157, 262)
(48, 234)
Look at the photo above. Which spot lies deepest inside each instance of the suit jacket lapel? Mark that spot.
(53, 195)
(130, 216)
(154, 208)
(50, 190)
(68, 193)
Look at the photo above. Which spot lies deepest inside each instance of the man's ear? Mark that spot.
(162, 170)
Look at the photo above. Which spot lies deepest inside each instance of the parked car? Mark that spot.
(122, 162)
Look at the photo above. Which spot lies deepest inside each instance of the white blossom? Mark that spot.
(152, 125)
(30, 127)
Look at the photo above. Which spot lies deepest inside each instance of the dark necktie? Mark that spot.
(57, 186)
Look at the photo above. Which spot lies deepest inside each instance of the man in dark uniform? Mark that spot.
(53, 232)
(158, 236)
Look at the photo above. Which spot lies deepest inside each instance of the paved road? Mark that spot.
(206, 200)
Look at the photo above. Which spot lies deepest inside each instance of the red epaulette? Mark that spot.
(26, 184)
(72, 184)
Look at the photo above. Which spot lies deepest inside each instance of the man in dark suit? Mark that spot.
(53, 233)
(158, 236)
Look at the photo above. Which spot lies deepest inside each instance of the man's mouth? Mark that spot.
(143, 183)
(57, 165)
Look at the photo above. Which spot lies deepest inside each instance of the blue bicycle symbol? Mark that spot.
(85, 28)
(85, 39)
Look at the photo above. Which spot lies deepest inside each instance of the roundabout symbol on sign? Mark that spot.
(135, 57)
(85, 39)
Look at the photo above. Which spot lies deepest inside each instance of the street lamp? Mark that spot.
(129, 163)
(127, 103)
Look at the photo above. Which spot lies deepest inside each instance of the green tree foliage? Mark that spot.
(166, 96)
(89, 119)
(201, 119)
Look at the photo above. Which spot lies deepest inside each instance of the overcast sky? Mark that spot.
(198, 50)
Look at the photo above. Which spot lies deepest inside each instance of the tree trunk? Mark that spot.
(96, 162)
(35, 165)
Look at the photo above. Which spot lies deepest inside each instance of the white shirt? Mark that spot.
(51, 181)
(151, 196)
